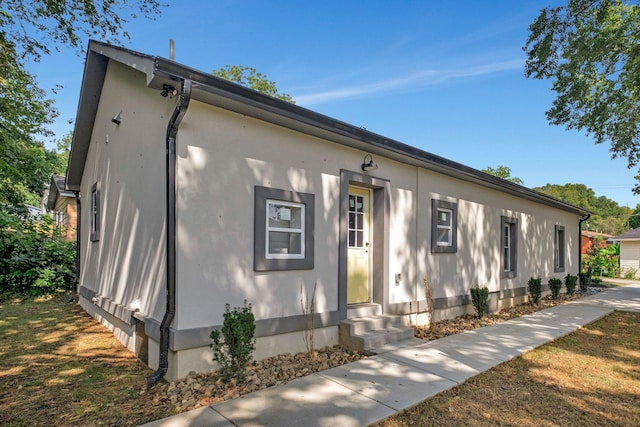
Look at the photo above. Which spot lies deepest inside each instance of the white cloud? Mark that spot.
(409, 81)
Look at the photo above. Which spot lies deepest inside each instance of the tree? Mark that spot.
(503, 172)
(607, 216)
(30, 29)
(634, 218)
(590, 49)
(249, 77)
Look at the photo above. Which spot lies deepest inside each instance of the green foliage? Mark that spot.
(249, 77)
(503, 172)
(33, 258)
(233, 345)
(589, 49)
(480, 300)
(535, 289)
(570, 282)
(28, 30)
(585, 280)
(605, 263)
(555, 285)
(630, 273)
(634, 218)
(608, 216)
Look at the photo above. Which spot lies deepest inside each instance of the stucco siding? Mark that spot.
(224, 155)
(227, 161)
(126, 163)
(630, 256)
(478, 257)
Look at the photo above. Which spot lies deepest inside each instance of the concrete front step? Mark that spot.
(363, 310)
(369, 333)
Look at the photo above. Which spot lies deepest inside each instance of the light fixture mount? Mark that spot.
(368, 165)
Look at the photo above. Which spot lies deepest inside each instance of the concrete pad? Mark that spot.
(394, 384)
(432, 360)
(201, 417)
(309, 401)
(398, 345)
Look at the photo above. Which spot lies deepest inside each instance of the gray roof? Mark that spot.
(219, 92)
(57, 189)
(629, 235)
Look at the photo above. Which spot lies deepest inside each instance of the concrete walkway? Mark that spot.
(404, 375)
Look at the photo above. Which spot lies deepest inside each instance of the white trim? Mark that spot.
(301, 231)
(449, 227)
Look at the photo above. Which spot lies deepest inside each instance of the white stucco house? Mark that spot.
(197, 192)
(629, 252)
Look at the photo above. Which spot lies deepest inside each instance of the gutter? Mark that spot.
(172, 130)
(583, 219)
(78, 240)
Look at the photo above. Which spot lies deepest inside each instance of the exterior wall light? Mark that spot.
(368, 165)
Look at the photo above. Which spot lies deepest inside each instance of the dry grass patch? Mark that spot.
(59, 367)
(588, 378)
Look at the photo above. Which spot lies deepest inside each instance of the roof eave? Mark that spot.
(216, 91)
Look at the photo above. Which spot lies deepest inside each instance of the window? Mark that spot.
(559, 247)
(95, 212)
(283, 230)
(356, 221)
(509, 245)
(444, 224)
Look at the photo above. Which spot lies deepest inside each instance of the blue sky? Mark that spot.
(446, 77)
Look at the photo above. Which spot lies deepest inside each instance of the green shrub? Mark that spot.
(570, 282)
(585, 280)
(535, 289)
(233, 345)
(555, 285)
(630, 273)
(34, 260)
(480, 300)
(603, 261)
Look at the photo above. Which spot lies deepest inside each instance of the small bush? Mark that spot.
(34, 260)
(585, 280)
(480, 300)
(535, 289)
(233, 345)
(555, 285)
(571, 282)
(630, 273)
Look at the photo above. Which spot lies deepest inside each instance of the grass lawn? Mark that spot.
(588, 378)
(58, 366)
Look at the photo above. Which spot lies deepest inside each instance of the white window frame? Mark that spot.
(260, 236)
(95, 213)
(301, 231)
(509, 247)
(451, 245)
(449, 227)
(506, 247)
(560, 249)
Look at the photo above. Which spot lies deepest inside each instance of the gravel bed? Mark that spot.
(198, 390)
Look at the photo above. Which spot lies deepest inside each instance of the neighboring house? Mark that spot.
(629, 252)
(591, 237)
(199, 192)
(33, 211)
(61, 204)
